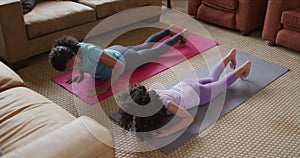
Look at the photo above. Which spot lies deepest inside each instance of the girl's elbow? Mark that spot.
(120, 65)
(192, 119)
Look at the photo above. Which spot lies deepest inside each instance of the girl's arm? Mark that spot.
(118, 68)
(185, 116)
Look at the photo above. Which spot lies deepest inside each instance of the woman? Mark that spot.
(108, 64)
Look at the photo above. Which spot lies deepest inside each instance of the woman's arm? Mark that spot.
(185, 116)
(118, 68)
(75, 78)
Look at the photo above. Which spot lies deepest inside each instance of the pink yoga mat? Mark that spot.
(175, 55)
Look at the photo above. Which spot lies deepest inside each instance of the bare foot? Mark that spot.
(172, 29)
(231, 57)
(245, 70)
(183, 41)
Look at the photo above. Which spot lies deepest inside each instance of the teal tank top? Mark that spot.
(90, 56)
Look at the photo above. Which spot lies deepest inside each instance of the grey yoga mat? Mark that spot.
(262, 73)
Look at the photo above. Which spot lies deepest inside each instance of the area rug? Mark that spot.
(195, 45)
(262, 73)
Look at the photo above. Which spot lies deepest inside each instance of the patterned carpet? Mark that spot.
(266, 125)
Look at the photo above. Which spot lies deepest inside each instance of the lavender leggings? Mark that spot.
(138, 55)
(211, 86)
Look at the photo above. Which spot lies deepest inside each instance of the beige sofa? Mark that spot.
(32, 126)
(23, 36)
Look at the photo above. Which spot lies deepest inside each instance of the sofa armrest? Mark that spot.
(273, 16)
(80, 138)
(193, 6)
(272, 21)
(13, 38)
(250, 14)
(8, 78)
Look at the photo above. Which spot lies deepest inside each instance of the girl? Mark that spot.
(108, 64)
(176, 100)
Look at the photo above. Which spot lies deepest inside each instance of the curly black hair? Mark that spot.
(142, 97)
(62, 51)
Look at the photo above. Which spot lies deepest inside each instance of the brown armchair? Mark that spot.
(243, 15)
(282, 23)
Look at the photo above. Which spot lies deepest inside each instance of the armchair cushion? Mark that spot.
(291, 19)
(51, 16)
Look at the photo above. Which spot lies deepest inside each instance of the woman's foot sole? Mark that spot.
(231, 56)
(246, 70)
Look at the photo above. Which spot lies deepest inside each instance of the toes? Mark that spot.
(245, 74)
(184, 33)
(182, 42)
(172, 29)
(232, 58)
(233, 50)
(232, 66)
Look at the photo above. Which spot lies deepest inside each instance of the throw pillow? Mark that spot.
(27, 5)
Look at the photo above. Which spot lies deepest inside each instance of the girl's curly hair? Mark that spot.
(62, 51)
(142, 97)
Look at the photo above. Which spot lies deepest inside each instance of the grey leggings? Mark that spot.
(138, 55)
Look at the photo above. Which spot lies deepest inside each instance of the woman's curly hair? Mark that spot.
(62, 51)
(142, 97)
(67, 41)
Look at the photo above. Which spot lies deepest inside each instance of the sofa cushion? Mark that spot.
(50, 16)
(106, 8)
(26, 115)
(291, 19)
(226, 4)
(8, 78)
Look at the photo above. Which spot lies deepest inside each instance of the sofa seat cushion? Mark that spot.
(291, 19)
(51, 16)
(26, 115)
(225, 4)
(105, 8)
